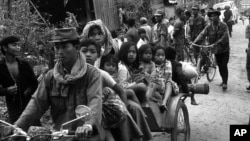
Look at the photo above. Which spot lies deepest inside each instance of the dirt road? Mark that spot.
(210, 120)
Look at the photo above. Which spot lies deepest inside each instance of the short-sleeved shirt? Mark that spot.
(158, 30)
(161, 72)
(196, 26)
(179, 32)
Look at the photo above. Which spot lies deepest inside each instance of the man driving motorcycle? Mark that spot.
(70, 83)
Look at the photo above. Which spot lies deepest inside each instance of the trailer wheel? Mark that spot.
(181, 129)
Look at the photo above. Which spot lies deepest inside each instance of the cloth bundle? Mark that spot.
(113, 109)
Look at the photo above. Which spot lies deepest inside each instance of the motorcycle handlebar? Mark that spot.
(54, 135)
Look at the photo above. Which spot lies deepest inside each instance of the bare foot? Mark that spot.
(193, 102)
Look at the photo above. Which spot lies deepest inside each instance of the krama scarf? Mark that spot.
(78, 70)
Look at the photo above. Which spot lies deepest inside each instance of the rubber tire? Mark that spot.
(213, 66)
(174, 133)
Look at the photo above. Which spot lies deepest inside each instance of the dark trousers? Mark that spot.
(222, 61)
(196, 52)
(230, 28)
(248, 65)
(179, 52)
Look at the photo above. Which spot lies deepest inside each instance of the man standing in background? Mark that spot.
(247, 34)
(160, 30)
(228, 19)
(18, 80)
(197, 24)
(179, 34)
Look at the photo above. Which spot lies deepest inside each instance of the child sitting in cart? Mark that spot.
(109, 63)
(161, 86)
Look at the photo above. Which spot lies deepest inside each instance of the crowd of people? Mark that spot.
(139, 65)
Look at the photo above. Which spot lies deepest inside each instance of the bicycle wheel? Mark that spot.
(211, 71)
(181, 129)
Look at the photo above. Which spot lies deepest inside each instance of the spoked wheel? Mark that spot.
(181, 129)
(211, 70)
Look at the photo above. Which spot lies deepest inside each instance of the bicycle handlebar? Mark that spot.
(202, 46)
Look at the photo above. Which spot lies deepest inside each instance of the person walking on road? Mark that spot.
(228, 19)
(247, 34)
(197, 24)
(218, 39)
(18, 81)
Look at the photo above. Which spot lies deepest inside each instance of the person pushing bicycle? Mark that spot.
(218, 38)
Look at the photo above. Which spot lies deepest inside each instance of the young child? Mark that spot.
(171, 29)
(161, 79)
(143, 37)
(109, 63)
(92, 52)
(128, 65)
(145, 57)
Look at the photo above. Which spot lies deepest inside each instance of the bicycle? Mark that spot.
(206, 63)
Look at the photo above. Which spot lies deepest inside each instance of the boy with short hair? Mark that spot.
(18, 80)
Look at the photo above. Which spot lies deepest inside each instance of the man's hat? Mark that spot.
(195, 7)
(212, 11)
(159, 13)
(64, 34)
